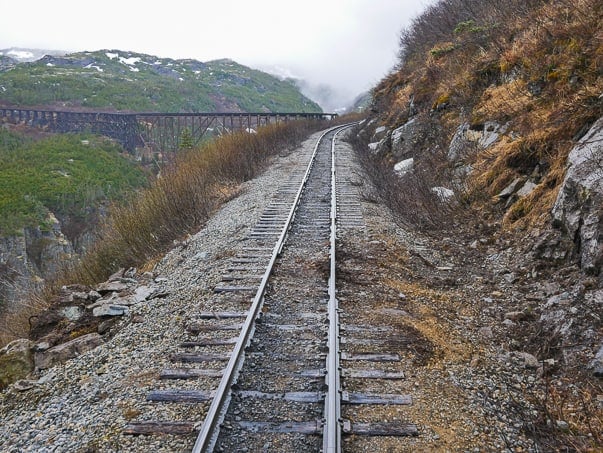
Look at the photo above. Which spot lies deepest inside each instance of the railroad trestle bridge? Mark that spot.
(153, 131)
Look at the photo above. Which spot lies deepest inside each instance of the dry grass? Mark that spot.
(535, 65)
(178, 203)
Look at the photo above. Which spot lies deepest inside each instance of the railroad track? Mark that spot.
(273, 341)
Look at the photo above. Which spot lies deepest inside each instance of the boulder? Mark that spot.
(72, 312)
(377, 147)
(111, 286)
(578, 210)
(143, 293)
(510, 189)
(403, 167)
(443, 194)
(405, 138)
(468, 139)
(526, 189)
(16, 361)
(66, 351)
(110, 310)
(460, 145)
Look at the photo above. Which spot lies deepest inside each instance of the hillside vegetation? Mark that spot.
(531, 68)
(68, 175)
(125, 81)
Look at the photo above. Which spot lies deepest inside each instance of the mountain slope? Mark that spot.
(126, 81)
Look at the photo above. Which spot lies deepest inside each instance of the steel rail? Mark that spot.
(332, 411)
(215, 415)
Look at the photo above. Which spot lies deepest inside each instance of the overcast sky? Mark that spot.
(346, 44)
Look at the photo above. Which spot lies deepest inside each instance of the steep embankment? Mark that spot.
(127, 81)
(488, 100)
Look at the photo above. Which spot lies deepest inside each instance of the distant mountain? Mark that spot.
(21, 54)
(362, 102)
(115, 80)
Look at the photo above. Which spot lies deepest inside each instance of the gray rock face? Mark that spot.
(578, 209)
(468, 140)
(597, 363)
(405, 138)
(459, 145)
(31, 256)
(65, 351)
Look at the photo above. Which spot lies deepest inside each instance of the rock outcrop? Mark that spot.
(80, 321)
(32, 256)
(16, 361)
(578, 210)
(65, 351)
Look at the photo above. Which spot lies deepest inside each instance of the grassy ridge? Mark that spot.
(126, 81)
(533, 65)
(65, 174)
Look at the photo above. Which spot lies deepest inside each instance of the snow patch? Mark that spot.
(92, 66)
(3, 89)
(49, 65)
(111, 56)
(181, 79)
(134, 69)
(129, 61)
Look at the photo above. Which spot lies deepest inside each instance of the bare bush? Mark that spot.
(415, 197)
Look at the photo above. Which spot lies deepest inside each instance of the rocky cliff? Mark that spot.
(31, 256)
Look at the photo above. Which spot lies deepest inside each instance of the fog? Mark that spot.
(336, 48)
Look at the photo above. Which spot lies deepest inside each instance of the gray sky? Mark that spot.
(348, 45)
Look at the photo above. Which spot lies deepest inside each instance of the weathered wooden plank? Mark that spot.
(374, 398)
(264, 233)
(233, 289)
(245, 261)
(198, 358)
(208, 342)
(311, 427)
(372, 374)
(221, 314)
(195, 329)
(150, 428)
(246, 269)
(371, 357)
(396, 429)
(313, 373)
(179, 396)
(300, 397)
(232, 278)
(189, 373)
